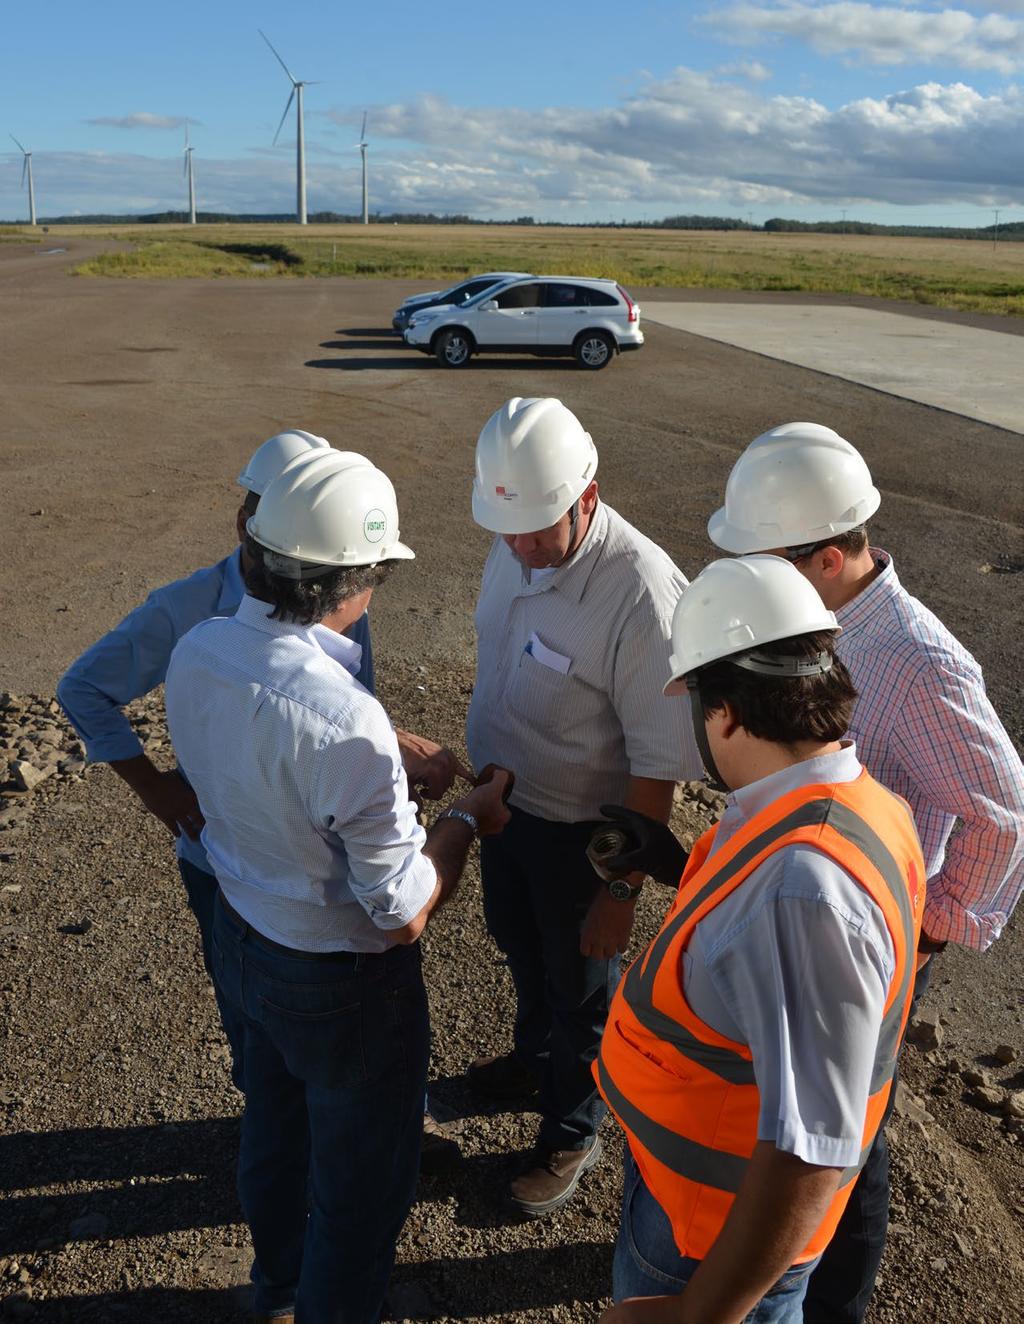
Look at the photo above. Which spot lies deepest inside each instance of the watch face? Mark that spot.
(620, 889)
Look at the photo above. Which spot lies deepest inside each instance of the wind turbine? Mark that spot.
(190, 175)
(300, 132)
(362, 144)
(26, 169)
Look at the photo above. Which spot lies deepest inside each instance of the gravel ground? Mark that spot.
(127, 410)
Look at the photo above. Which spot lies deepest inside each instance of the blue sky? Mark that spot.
(888, 111)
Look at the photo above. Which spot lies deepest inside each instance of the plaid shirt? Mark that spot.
(925, 728)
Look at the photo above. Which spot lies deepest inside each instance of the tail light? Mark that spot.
(634, 315)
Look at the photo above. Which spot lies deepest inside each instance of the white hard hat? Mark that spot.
(735, 605)
(533, 460)
(268, 461)
(797, 484)
(327, 509)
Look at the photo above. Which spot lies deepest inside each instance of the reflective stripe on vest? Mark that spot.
(662, 1071)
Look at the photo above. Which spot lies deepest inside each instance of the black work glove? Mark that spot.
(654, 848)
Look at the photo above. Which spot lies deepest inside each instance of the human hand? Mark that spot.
(170, 798)
(486, 801)
(430, 767)
(607, 927)
(654, 848)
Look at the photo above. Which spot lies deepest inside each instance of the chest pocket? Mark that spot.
(546, 699)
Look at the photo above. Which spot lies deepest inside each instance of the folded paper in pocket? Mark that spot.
(547, 657)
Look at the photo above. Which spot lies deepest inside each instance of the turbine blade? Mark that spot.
(287, 108)
(276, 56)
(24, 167)
(14, 140)
(362, 131)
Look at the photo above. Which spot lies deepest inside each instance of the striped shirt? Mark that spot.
(131, 660)
(570, 669)
(925, 728)
(309, 826)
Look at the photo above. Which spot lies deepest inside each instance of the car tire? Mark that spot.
(453, 348)
(594, 350)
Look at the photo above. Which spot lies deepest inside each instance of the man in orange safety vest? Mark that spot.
(749, 1052)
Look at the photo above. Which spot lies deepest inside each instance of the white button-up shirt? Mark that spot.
(570, 670)
(925, 728)
(309, 827)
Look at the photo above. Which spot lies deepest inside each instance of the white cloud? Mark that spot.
(142, 119)
(689, 142)
(752, 69)
(884, 34)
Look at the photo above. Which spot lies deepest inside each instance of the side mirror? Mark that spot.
(490, 306)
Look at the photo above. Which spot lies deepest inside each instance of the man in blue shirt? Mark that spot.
(132, 659)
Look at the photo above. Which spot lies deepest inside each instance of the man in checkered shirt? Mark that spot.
(923, 726)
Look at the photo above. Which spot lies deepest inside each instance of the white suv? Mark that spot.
(564, 316)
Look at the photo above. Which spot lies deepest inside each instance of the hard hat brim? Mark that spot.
(738, 541)
(512, 520)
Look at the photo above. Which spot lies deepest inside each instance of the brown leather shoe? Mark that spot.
(502, 1077)
(440, 1153)
(551, 1178)
(273, 1319)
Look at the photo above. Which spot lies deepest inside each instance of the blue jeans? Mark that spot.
(647, 1260)
(201, 890)
(538, 886)
(842, 1285)
(335, 1055)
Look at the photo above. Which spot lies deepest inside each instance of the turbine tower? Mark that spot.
(300, 132)
(191, 177)
(26, 169)
(362, 145)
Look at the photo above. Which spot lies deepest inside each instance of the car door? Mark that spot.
(562, 315)
(513, 321)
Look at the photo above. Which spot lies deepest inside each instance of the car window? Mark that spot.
(559, 294)
(470, 290)
(600, 298)
(519, 296)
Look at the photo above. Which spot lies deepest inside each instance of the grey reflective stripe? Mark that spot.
(859, 833)
(687, 1158)
(724, 1062)
(850, 1174)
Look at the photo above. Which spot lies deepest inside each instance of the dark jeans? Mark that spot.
(538, 886)
(647, 1261)
(335, 1072)
(201, 889)
(841, 1286)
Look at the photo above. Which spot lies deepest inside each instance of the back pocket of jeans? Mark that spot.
(319, 1047)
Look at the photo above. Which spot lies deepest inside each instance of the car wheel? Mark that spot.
(594, 350)
(453, 349)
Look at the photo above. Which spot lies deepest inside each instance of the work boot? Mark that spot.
(440, 1153)
(273, 1319)
(551, 1178)
(502, 1077)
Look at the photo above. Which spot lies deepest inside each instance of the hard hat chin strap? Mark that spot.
(574, 519)
(700, 732)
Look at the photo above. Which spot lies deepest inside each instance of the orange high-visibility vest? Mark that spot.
(685, 1095)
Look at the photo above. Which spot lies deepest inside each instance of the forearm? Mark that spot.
(140, 773)
(778, 1208)
(651, 797)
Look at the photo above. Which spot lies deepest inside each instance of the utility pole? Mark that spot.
(995, 236)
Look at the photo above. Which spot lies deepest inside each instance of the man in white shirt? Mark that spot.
(326, 881)
(573, 630)
(924, 728)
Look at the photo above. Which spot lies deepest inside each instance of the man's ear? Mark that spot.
(588, 499)
(832, 562)
(730, 722)
(241, 520)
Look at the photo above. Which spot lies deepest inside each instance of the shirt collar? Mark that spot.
(572, 577)
(346, 652)
(841, 766)
(875, 597)
(232, 587)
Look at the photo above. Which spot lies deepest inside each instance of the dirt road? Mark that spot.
(128, 408)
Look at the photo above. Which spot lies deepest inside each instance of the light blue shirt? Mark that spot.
(309, 826)
(796, 963)
(132, 660)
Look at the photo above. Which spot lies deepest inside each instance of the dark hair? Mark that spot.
(787, 709)
(252, 500)
(850, 543)
(307, 601)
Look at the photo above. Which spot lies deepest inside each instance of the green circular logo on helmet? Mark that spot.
(375, 526)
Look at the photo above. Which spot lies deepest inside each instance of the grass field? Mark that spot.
(950, 273)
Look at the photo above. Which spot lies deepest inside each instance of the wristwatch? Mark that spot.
(464, 816)
(620, 890)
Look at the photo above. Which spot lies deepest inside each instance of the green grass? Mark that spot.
(949, 273)
(18, 234)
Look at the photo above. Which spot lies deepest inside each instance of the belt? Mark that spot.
(294, 952)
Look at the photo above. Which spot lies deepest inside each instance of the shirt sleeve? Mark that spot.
(388, 874)
(125, 664)
(957, 755)
(805, 978)
(360, 634)
(657, 730)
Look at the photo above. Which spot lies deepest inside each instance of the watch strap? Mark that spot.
(463, 816)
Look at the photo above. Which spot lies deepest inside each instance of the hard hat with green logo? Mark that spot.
(270, 458)
(327, 509)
